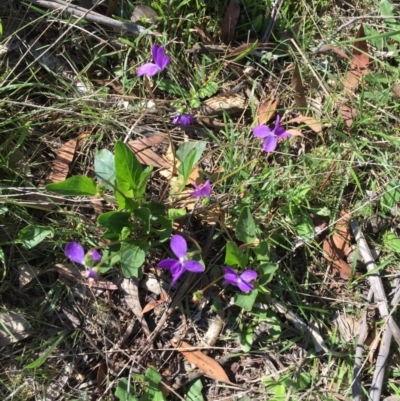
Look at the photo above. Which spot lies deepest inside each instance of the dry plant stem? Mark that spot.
(379, 373)
(276, 8)
(80, 12)
(356, 386)
(375, 281)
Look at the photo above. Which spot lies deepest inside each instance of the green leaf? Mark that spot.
(121, 392)
(208, 90)
(175, 214)
(144, 215)
(171, 87)
(39, 362)
(30, 236)
(246, 300)
(156, 209)
(187, 147)
(246, 228)
(246, 339)
(74, 186)
(141, 188)
(165, 231)
(262, 251)
(110, 258)
(391, 196)
(246, 52)
(104, 167)
(234, 256)
(127, 168)
(186, 167)
(115, 221)
(152, 392)
(195, 391)
(304, 226)
(268, 272)
(391, 241)
(3, 209)
(132, 259)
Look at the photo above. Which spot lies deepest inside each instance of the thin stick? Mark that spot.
(276, 8)
(375, 281)
(80, 12)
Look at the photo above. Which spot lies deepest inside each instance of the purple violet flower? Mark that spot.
(183, 119)
(242, 281)
(203, 191)
(160, 59)
(178, 267)
(271, 135)
(76, 254)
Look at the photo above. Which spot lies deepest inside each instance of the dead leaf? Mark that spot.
(359, 62)
(216, 105)
(337, 246)
(13, 328)
(229, 21)
(267, 110)
(297, 84)
(142, 150)
(62, 161)
(335, 49)
(209, 366)
(310, 121)
(141, 11)
(97, 206)
(295, 132)
(396, 91)
(26, 275)
(348, 114)
(101, 374)
(242, 48)
(164, 297)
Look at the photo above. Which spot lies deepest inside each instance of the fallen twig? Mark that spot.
(80, 12)
(356, 387)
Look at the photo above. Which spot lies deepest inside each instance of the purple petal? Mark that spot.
(75, 252)
(230, 276)
(176, 273)
(96, 257)
(168, 264)
(277, 122)
(159, 57)
(204, 191)
(90, 274)
(262, 131)
(270, 143)
(148, 69)
(249, 275)
(193, 266)
(178, 246)
(176, 119)
(154, 52)
(244, 286)
(183, 119)
(284, 134)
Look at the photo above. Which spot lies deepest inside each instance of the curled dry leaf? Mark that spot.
(349, 114)
(267, 110)
(216, 105)
(142, 150)
(315, 125)
(337, 246)
(209, 366)
(229, 21)
(62, 161)
(359, 62)
(14, 328)
(335, 49)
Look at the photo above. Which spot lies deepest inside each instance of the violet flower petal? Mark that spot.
(193, 266)
(90, 273)
(244, 286)
(262, 131)
(75, 252)
(178, 246)
(270, 143)
(148, 69)
(96, 256)
(177, 273)
(159, 57)
(204, 191)
(230, 276)
(154, 52)
(249, 275)
(168, 264)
